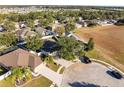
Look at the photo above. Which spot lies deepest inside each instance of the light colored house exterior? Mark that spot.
(37, 22)
(40, 31)
(78, 25)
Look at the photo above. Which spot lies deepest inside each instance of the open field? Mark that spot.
(109, 41)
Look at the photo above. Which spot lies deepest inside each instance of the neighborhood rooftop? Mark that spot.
(20, 57)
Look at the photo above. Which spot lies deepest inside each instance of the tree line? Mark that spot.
(68, 17)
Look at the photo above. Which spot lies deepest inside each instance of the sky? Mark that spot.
(64, 2)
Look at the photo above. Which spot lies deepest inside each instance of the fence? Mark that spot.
(5, 75)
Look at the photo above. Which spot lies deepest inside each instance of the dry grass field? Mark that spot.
(109, 41)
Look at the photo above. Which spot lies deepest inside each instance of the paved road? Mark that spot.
(63, 62)
(51, 75)
(89, 75)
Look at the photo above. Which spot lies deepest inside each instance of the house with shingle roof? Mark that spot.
(23, 33)
(21, 58)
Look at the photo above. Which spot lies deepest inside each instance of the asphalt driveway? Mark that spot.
(89, 75)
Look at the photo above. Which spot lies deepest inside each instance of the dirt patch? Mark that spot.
(109, 40)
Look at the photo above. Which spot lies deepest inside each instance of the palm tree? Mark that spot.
(20, 73)
(27, 72)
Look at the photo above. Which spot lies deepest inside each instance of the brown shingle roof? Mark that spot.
(20, 57)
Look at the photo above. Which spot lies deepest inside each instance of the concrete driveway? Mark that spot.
(50, 74)
(89, 75)
(63, 62)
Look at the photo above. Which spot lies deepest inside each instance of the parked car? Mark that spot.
(85, 59)
(116, 74)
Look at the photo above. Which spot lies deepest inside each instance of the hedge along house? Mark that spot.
(21, 58)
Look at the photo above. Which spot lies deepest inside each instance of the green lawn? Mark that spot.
(6, 82)
(40, 82)
(95, 54)
(53, 66)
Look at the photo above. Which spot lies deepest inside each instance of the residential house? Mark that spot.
(23, 33)
(105, 22)
(80, 24)
(77, 25)
(22, 24)
(37, 23)
(44, 32)
(21, 58)
(40, 31)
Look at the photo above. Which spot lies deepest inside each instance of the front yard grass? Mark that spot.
(96, 55)
(39, 82)
(53, 66)
(7, 82)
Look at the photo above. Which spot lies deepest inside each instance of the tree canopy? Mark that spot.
(60, 30)
(8, 39)
(9, 25)
(69, 47)
(20, 73)
(90, 45)
(69, 27)
(34, 43)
